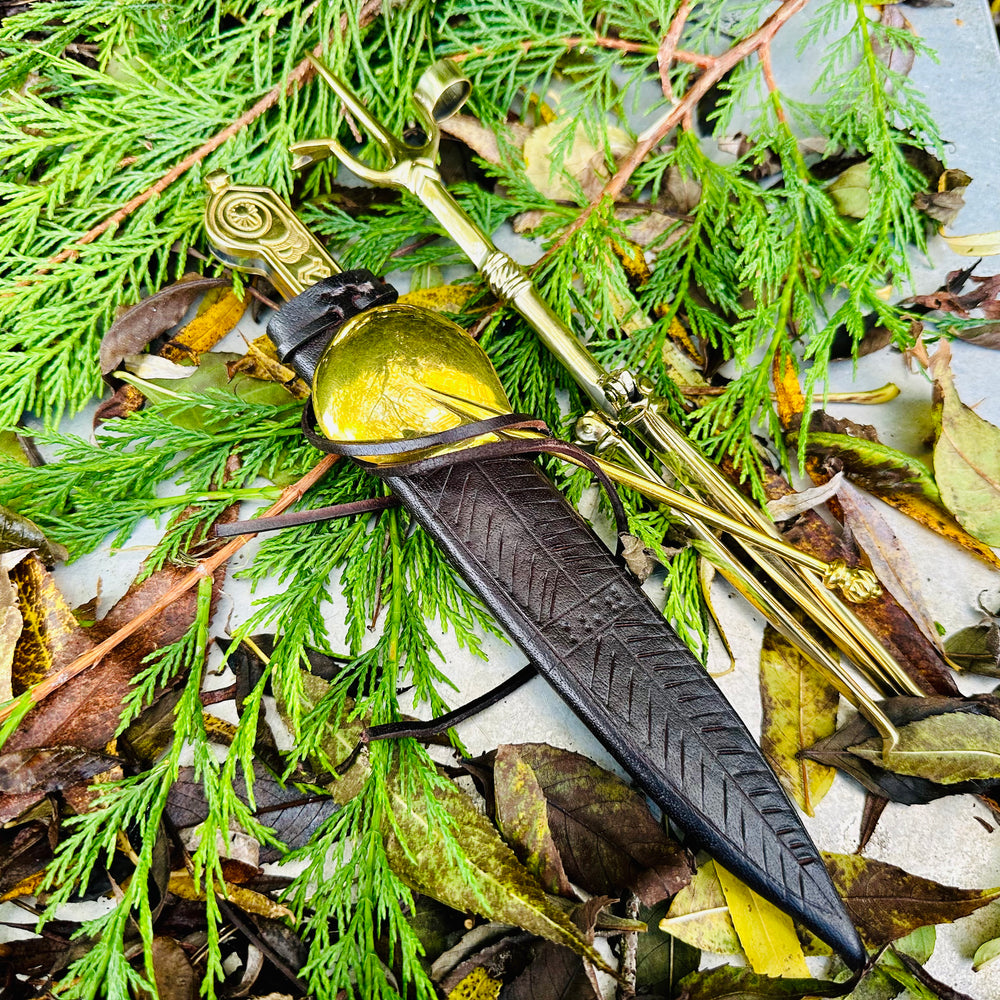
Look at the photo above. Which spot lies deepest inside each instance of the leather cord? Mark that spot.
(474, 453)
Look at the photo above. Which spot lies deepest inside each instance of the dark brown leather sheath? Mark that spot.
(597, 639)
(588, 628)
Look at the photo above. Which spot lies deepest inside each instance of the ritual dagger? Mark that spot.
(412, 395)
(625, 401)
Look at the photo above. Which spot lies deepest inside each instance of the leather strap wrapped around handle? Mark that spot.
(593, 634)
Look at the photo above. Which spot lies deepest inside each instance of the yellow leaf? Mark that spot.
(440, 298)
(50, 636)
(220, 312)
(477, 985)
(699, 915)
(974, 245)
(261, 362)
(799, 708)
(788, 392)
(28, 886)
(182, 884)
(767, 935)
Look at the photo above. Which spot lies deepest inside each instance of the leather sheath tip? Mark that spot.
(853, 953)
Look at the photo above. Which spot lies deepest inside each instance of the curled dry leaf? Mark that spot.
(943, 204)
(789, 506)
(975, 244)
(966, 457)
(886, 902)
(583, 163)
(502, 950)
(182, 884)
(799, 708)
(151, 318)
(987, 952)
(976, 648)
(19, 532)
(899, 55)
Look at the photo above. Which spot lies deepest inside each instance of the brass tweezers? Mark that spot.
(624, 401)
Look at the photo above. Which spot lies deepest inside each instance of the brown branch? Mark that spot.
(683, 109)
(666, 53)
(205, 568)
(765, 64)
(299, 76)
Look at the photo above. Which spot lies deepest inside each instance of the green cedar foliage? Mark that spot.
(104, 99)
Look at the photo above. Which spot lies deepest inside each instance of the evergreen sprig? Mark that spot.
(105, 100)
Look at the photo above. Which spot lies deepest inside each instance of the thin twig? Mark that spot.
(765, 64)
(597, 41)
(299, 76)
(630, 952)
(205, 568)
(685, 106)
(666, 53)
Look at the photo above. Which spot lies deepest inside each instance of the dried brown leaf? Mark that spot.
(85, 711)
(27, 776)
(175, 976)
(291, 813)
(883, 615)
(886, 902)
(261, 362)
(605, 833)
(151, 318)
(558, 973)
(897, 57)
(889, 557)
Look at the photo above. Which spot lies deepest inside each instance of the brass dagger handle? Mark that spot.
(252, 229)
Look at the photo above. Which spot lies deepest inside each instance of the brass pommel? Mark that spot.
(396, 372)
